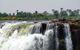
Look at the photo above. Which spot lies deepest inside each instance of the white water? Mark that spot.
(68, 37)
(18, 36)
(27, 36)
(56, 37)
(36, 28)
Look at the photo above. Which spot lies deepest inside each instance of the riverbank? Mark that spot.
(38, 18)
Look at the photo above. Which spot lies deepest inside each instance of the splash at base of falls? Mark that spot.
(30, 36)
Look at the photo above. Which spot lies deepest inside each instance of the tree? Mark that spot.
(45, 13)
(64, 13)
(17, 13)
(56, 13)
(61, 12)
(53, 11)
(4, 14)
(0, 14)
(35, 14)
(9, 15)
(13, 14)
(78, 11)
(27, 14)
(70, 12)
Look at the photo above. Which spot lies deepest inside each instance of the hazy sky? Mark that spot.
(39, 5)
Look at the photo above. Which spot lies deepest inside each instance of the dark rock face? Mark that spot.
(61, 37)
(75, 32)
(43, 28)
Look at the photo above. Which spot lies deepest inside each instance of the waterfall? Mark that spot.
(56, 37)
(36, 28)
(48, 41)
(30, 36)
(68, 37)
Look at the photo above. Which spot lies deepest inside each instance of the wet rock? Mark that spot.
(75, 32)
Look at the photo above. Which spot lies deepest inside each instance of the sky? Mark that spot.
(10, 6)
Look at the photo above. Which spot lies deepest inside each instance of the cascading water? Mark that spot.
(36, 28)
(68, 37)
(30, 36)
(56, 37)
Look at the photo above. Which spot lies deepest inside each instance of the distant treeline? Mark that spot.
(68, 13)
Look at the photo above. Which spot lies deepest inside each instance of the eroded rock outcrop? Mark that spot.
(75, 32)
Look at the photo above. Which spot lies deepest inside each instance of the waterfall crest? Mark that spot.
(30, 36)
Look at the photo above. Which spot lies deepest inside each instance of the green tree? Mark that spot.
(0, 14)
(53, 11)
(35, 14)
(71, 13)
(77, 12)
(27, 14)
(4, 15)
(64, 13)
(13, 14)
(61, 12)
(56, 13)
(45, 13)
(9, 15)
